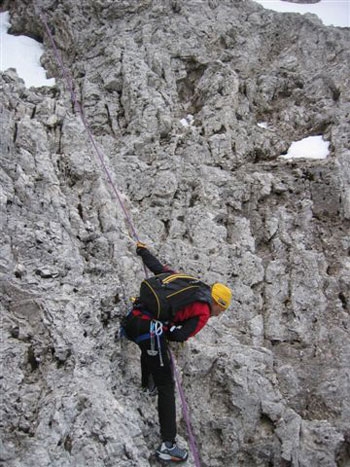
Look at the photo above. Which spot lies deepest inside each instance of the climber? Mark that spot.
(152, 334)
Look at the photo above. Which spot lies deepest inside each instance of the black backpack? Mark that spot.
(166, 293)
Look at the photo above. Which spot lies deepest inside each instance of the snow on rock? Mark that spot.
(330, 12)
(22, 53)
(312, 147)
(187, 121)
(267, 383)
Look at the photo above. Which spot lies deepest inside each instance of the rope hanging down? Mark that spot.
(78, 107)
(185, 413)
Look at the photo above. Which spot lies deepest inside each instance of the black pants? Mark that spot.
(164, 381)
(162, 374)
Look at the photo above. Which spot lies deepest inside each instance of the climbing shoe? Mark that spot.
(171, 452)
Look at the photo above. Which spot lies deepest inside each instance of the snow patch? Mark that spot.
(263, 125)
(330, 12)
(23, 54)
(312, 147)
(187, 121)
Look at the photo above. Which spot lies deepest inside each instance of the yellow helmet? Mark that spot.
(221, 294)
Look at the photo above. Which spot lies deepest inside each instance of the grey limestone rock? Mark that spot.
(191, 103)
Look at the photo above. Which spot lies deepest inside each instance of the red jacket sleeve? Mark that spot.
(193, 318)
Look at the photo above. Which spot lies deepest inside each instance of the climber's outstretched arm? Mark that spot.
(150, 261)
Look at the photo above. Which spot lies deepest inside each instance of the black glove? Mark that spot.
(176, 334)
(141, 248)
(150, 261)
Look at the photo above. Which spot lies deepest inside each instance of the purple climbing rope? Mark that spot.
(185, 413)
(77, 106)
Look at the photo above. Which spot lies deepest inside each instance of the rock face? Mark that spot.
(173, 92)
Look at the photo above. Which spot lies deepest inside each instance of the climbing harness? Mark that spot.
(156, 329)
